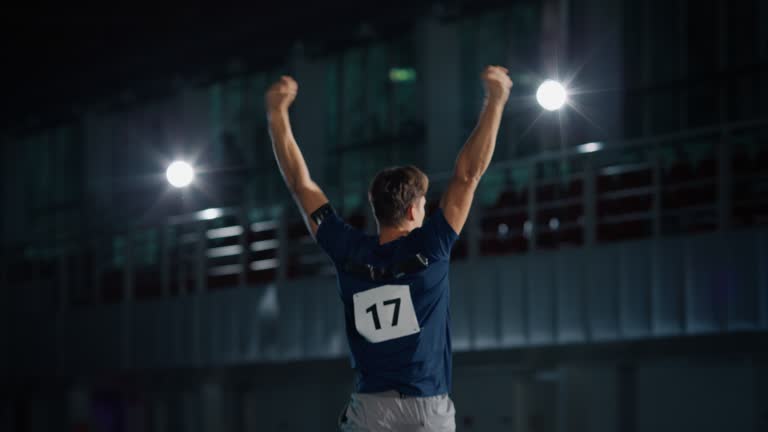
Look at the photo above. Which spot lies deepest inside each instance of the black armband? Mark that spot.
(323, 212)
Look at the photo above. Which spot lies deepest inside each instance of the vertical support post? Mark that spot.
(63, 285)
(657, 189)
(165, 262)
(96, 259)
(655, 286)
(687, 291)
(283, 246)
(201, 266)
(127, 356)
(656, 214)
(724, 177)
(590, 201)
(199, 289)
(645, 73)
(682, 50)
(128, 274)
(724, 181)
(532, 210)
(245, 247)
(722, 59)
(182, 260)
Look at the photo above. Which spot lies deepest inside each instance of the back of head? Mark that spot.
(393, 190)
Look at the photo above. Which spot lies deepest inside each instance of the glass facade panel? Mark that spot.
(374, 115)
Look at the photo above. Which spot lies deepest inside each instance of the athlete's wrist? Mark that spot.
(496, 101)
(277, 112)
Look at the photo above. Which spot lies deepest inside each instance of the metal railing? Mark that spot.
(694, 181)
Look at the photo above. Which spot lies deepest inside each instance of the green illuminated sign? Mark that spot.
(402, 74)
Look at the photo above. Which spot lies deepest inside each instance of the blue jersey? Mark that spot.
(398, 328)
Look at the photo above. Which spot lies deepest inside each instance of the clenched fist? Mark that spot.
(497, 83)
(281, 94)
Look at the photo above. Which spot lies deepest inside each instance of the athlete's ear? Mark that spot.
(411, 212)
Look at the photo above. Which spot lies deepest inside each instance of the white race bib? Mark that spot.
(385, 313)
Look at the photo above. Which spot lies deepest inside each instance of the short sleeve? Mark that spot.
(337, 239)
(438, 236)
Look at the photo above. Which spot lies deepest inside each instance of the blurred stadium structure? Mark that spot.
(613, 275)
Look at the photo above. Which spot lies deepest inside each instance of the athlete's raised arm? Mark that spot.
(305, 191)
(477, 152)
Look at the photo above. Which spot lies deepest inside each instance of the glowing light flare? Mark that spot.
(209, 214)
(180, 174)
(590, 147)
(551, 95)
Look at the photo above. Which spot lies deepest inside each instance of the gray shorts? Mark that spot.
(388, 411)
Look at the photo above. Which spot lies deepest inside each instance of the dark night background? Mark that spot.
(63, 57)
(613, 275)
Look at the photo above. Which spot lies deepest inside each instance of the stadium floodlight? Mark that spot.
(180, 174)
(551, 95)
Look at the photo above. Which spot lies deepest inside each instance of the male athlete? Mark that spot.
(394, 286)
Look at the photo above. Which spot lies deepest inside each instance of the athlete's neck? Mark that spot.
(388, 234)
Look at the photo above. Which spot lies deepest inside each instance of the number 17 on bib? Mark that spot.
(385, 313)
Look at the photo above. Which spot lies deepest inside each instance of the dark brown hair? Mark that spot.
(393, 190)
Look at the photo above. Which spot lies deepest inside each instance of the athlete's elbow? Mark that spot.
(468, 175)
(301, 186)
(291, 183)
(298, 182)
